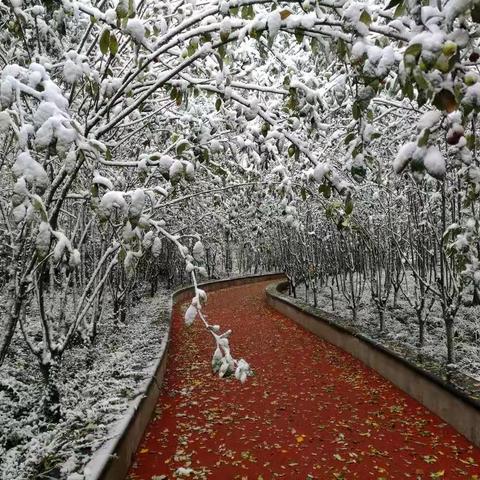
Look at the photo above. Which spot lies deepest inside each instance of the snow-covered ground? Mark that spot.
(401, 328)
(97, 385)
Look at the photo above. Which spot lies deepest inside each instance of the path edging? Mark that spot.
(112, 461)
(458, 409)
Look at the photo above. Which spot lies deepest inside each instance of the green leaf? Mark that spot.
(206, 37)
(192, 48)
(417, 165)
(298, 35)
(218, 104)
(366, 18)
(349, 138)
(222, 51)
(414, 50)
(470, 141)
(475, 11)
(357, 150)
(113, 44)
(341, 48)
(325, 190)
(348, 206)
(131, 8)
(105, 41)
(359, 172)
(182, 146)
(356, 112)
(257, 34)
(423, 139)
(122, 9)
(392, 3)
(400, 10)
(39, 207)
(179, 98)
(408, 90)
(94, 190)
(248, 13)
(421, 80)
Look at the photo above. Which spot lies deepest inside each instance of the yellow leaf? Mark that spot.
(438, 474)
(285, 14)
(144, 450)
(300, 439)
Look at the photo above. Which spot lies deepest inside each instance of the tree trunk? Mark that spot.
(10, 322)
(381, 317)
(332, 298)
(421, 328)
(395, 296)
(51, 399)
(476, 296)
(8, 329)
(450, 343)
(153, 286)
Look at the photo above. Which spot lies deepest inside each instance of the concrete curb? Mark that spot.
(112, 461)
(451, 404)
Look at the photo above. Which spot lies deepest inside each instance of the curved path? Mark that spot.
(310, 412)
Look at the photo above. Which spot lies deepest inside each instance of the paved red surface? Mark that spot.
(311, 411)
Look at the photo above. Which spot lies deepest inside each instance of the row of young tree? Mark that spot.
(402, 239)
(130, 129)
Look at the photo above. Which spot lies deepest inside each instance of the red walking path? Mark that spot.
(311, 411)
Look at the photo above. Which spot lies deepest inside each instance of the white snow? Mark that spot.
(156, 247)
(429, 119)
(274, 23)
(136, 29)
(176, 171)
(138, 202)
(101, 180)
(198, 251)
(112, 201)
(404, 155)
(71, 71)
(25, 166)
(434, 162)
(472, 95)
(320, 170)
(190, 315)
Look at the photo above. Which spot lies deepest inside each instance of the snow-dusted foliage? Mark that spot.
(128, 128)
